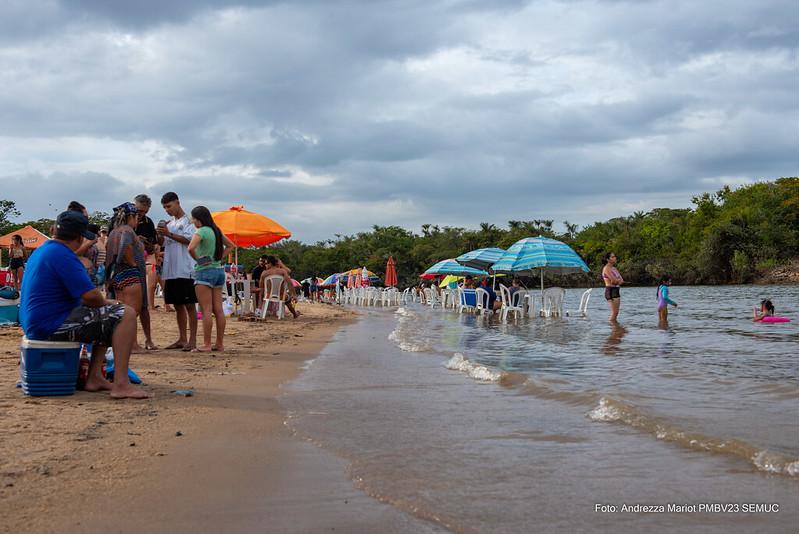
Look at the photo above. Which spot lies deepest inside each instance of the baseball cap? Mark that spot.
(74, 223)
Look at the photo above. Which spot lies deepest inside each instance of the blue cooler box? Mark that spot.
(9, 311)
(48, 367)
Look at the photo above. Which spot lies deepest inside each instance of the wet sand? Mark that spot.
(221, 460)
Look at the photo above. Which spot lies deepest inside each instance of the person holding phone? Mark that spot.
(178, 271)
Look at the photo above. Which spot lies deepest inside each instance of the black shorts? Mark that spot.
(612, 293)
(15, 264)
(179, 291)
(90, 325)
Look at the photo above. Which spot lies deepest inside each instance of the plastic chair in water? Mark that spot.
(583, 308)
(482, 298)
(274, 289)
(553, 302)
(511, 303)
(467, 300)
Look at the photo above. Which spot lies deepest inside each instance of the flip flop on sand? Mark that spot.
(175, 345)
(201, 349)
(188, 348)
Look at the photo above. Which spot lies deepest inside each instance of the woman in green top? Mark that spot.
(208, 246)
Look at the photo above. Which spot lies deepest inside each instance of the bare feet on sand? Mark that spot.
(97, 384)
(150, 345)
(128, 391)
(176, 345)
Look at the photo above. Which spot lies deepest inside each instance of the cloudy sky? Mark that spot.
(331, 116)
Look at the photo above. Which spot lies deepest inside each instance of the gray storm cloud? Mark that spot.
(333, 116)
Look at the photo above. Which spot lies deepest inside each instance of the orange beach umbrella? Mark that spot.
(247, 229)
(391, 272)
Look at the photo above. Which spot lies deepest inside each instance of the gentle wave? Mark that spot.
(614, 411)
(404, 312)
(479, 372)
(407, 345)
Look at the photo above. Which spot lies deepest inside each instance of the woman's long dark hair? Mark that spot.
(663, 279)
(201, 213)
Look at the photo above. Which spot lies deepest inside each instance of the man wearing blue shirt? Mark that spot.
(59, 302)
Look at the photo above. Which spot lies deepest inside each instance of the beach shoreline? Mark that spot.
(221, 459)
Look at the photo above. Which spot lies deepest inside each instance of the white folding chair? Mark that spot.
(274, 289)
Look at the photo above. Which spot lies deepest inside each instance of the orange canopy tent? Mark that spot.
(31, 237)
(247, 229)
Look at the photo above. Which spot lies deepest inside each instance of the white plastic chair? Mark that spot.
(482, 302)
(530, 303)
(553, 302)
(431, 297)
(245, 298)
(274, 288)
(511, 303)
(583, 308)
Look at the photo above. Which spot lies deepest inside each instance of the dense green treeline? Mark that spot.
(725, 237)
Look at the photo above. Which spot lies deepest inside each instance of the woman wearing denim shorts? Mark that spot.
(208, 246)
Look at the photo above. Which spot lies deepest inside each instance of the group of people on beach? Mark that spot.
(62, 283)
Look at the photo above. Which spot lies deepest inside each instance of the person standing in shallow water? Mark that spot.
(664, 300)
(613, 281)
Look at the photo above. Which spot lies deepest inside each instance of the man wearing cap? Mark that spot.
(60, 303)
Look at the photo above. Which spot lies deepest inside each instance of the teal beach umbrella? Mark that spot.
(539, 254)
(482, 258)
(451, 266)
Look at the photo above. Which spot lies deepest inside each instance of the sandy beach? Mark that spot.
(221, 459)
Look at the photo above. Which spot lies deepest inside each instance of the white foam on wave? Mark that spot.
(404, 312)
(605, 412)
(406, 345)
(479, 372)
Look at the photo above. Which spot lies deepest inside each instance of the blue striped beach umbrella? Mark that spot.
(482, 258)
(540, 254)
(450, 266)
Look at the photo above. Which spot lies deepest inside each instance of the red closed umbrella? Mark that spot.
(391, 272)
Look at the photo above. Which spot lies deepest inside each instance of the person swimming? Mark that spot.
(663, 298)
(766, 310)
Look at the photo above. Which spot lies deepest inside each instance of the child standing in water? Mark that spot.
(663, 299)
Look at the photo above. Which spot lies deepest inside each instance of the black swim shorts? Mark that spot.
(179, 291)
(612, 293)
(90, 325)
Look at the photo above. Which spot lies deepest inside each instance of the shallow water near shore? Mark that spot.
(487, 427)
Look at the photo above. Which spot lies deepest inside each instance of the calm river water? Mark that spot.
(568, 424)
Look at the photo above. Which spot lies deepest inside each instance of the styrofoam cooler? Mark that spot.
(48, 367)
(9, 310)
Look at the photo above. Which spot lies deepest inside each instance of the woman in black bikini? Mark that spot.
(18, 257)
(613, 282)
